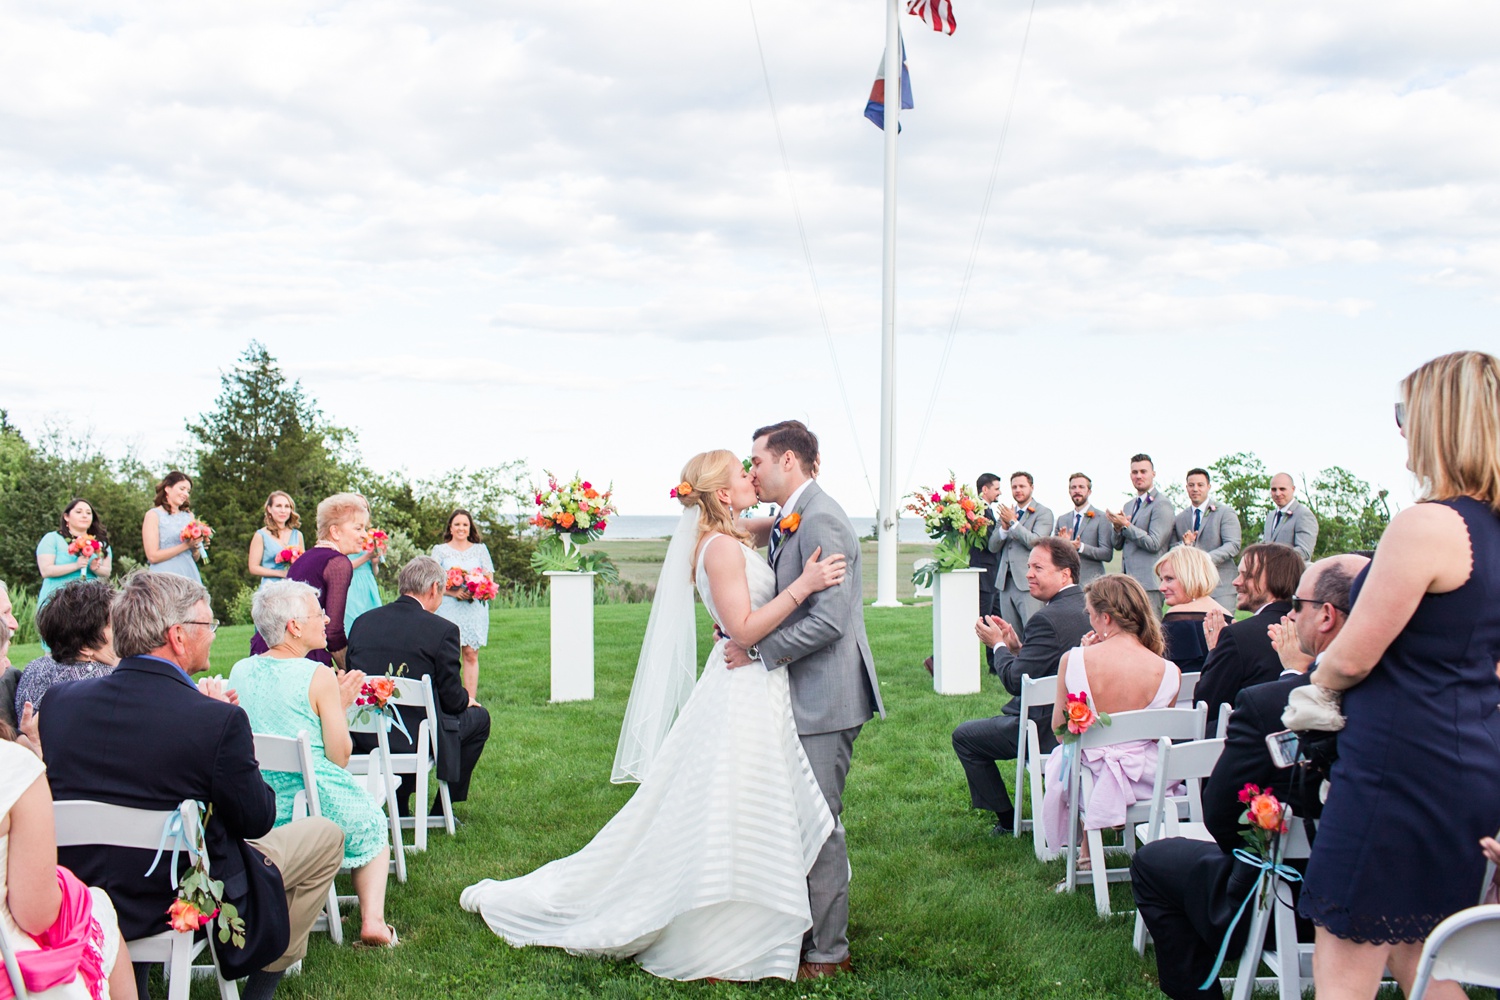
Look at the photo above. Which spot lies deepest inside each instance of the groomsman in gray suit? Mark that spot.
(1143, 528)
(1011, 539)
(1212, 527)
(1087, 528)
(1290, 521)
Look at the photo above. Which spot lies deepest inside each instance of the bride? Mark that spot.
(702, 874)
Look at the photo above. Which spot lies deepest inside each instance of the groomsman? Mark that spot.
(988, 486)
(1011, 539)
(1212, 527)
(1088, 529)
(1143, 528)
(1290, 521)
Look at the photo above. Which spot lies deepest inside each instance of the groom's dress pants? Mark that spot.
(828, 882)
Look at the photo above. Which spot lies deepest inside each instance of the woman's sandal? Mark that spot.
(394, 941)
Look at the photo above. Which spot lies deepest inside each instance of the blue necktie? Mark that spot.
(1138, 502)
(1277, 526)
(775, 537)
(1077, 525)
(1197, 518)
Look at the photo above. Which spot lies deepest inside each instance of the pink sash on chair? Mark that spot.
(73, 946)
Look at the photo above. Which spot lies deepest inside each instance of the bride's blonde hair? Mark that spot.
(702, 477)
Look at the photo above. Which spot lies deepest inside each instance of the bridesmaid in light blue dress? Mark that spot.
(364, 592)
(282, 530)
(463, 547)
(58, 566)
(161, 531)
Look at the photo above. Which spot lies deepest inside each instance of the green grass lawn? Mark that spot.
(938, 908)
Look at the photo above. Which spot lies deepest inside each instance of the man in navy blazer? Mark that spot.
(147, 737)
(406, 634)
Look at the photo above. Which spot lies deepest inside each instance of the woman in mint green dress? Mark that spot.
(364, 592)
(58, 566)
(285, 693)
(281, 531)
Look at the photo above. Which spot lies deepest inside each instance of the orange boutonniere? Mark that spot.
(1030, 510)
(790, 523)
(1088, 513)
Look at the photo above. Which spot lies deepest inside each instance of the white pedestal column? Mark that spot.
(573, 635)
(957, 653)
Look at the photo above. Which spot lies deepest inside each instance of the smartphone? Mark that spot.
(1283, 748)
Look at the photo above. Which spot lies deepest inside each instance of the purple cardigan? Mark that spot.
(330, 571)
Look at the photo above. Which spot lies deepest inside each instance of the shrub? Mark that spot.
(238, 611)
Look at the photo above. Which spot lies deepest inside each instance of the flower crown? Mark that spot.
(682, 491)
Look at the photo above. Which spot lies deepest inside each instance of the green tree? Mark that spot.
(1242, 482)
(1350, 516)
(263, 434)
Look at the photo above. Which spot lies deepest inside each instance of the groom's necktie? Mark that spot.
(775, 537)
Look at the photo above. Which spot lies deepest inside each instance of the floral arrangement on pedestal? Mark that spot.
(569, 515)
(955, 517)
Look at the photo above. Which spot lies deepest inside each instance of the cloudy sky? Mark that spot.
(562, 232)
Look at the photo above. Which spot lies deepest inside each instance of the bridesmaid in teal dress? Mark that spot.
(58, 566)
(161, 531)
(364, 592)
(281, 531)
(285, 693)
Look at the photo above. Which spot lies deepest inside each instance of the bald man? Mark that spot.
(1290, 521)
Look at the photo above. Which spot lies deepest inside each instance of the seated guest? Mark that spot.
(1058, 625)
(145, 736)
(65, 936)
(408, 631)
(10, 679)
(1119, 668)
(1187, 584)
(1241, 655)
(1187, 891)
(75, 626)
(284, 692)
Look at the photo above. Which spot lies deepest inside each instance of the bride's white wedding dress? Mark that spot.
(703, 872)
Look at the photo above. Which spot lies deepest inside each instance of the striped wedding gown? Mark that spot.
(703, 872)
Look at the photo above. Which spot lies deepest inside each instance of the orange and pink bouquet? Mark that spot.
(288, 555)
(374, 700)
(197, 533)
(575, 509)
(457, 578)
(377, 542)
(955, 517)
(85, 547)
(1264, 815)
(1078, 718)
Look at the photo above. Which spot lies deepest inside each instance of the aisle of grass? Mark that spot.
(938, 908)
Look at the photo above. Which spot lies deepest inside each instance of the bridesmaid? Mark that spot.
(364, 592)
(58, 566)
(281, 530)
(161, 531)
(463, 547)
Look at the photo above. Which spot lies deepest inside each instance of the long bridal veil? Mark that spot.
(668, 667)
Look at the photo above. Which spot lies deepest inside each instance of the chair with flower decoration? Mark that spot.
(1290, 962)
(82, 823)
(421, 760)
(295, 755)
(1188, 764)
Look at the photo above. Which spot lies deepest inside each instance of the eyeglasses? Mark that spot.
(1401, 416)
(213, 626)
(1297, 603)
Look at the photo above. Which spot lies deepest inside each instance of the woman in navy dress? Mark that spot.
(1417, 783)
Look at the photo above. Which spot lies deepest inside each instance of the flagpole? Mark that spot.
(887, 539)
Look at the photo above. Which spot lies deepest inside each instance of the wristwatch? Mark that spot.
(753, 652)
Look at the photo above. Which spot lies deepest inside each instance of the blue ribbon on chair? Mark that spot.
(172, 830)
(1266, 867)
(393, 717)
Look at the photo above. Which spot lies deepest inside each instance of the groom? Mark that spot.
(822, 645)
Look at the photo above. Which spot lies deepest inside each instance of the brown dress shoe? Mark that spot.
(822, 970)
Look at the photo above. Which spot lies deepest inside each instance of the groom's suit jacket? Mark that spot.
(822, 644)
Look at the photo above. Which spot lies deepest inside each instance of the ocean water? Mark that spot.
(652, 526)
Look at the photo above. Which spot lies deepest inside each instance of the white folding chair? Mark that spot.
(1185, 691)
(81, 823)
(1464, 948)
(1225, 711)
(1290, 964)
(1034, 761)
(12, 969)
(294, 755)
(1125, 727)
(376, 767)
(422, 760)
(1034, 694)
(1188, 763)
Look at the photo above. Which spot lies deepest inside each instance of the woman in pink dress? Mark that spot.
(1122, 670)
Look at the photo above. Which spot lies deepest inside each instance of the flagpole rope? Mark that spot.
(984, 212)
(812, 273)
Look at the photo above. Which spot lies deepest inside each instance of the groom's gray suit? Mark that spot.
(823, 647)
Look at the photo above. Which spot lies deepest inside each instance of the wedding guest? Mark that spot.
(988, 488)
(408, 631)
(364, 592)
(282, 530)
(1187, 578)
(342, 524)
(1011, 539)
(145, 736)
(1119, 667)
(161, 531)
(1091, 533)
(463, 548)
(1417, 780)
(1241, 654)
(10, 679)
(1187, 891)
(1058, 625)
(58, 566)
(1289, 521)
(75, 625)
(1143, 533)
(284, 692)
(47, 915)
(1212, 527)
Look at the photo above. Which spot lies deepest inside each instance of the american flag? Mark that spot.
(936, 14)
